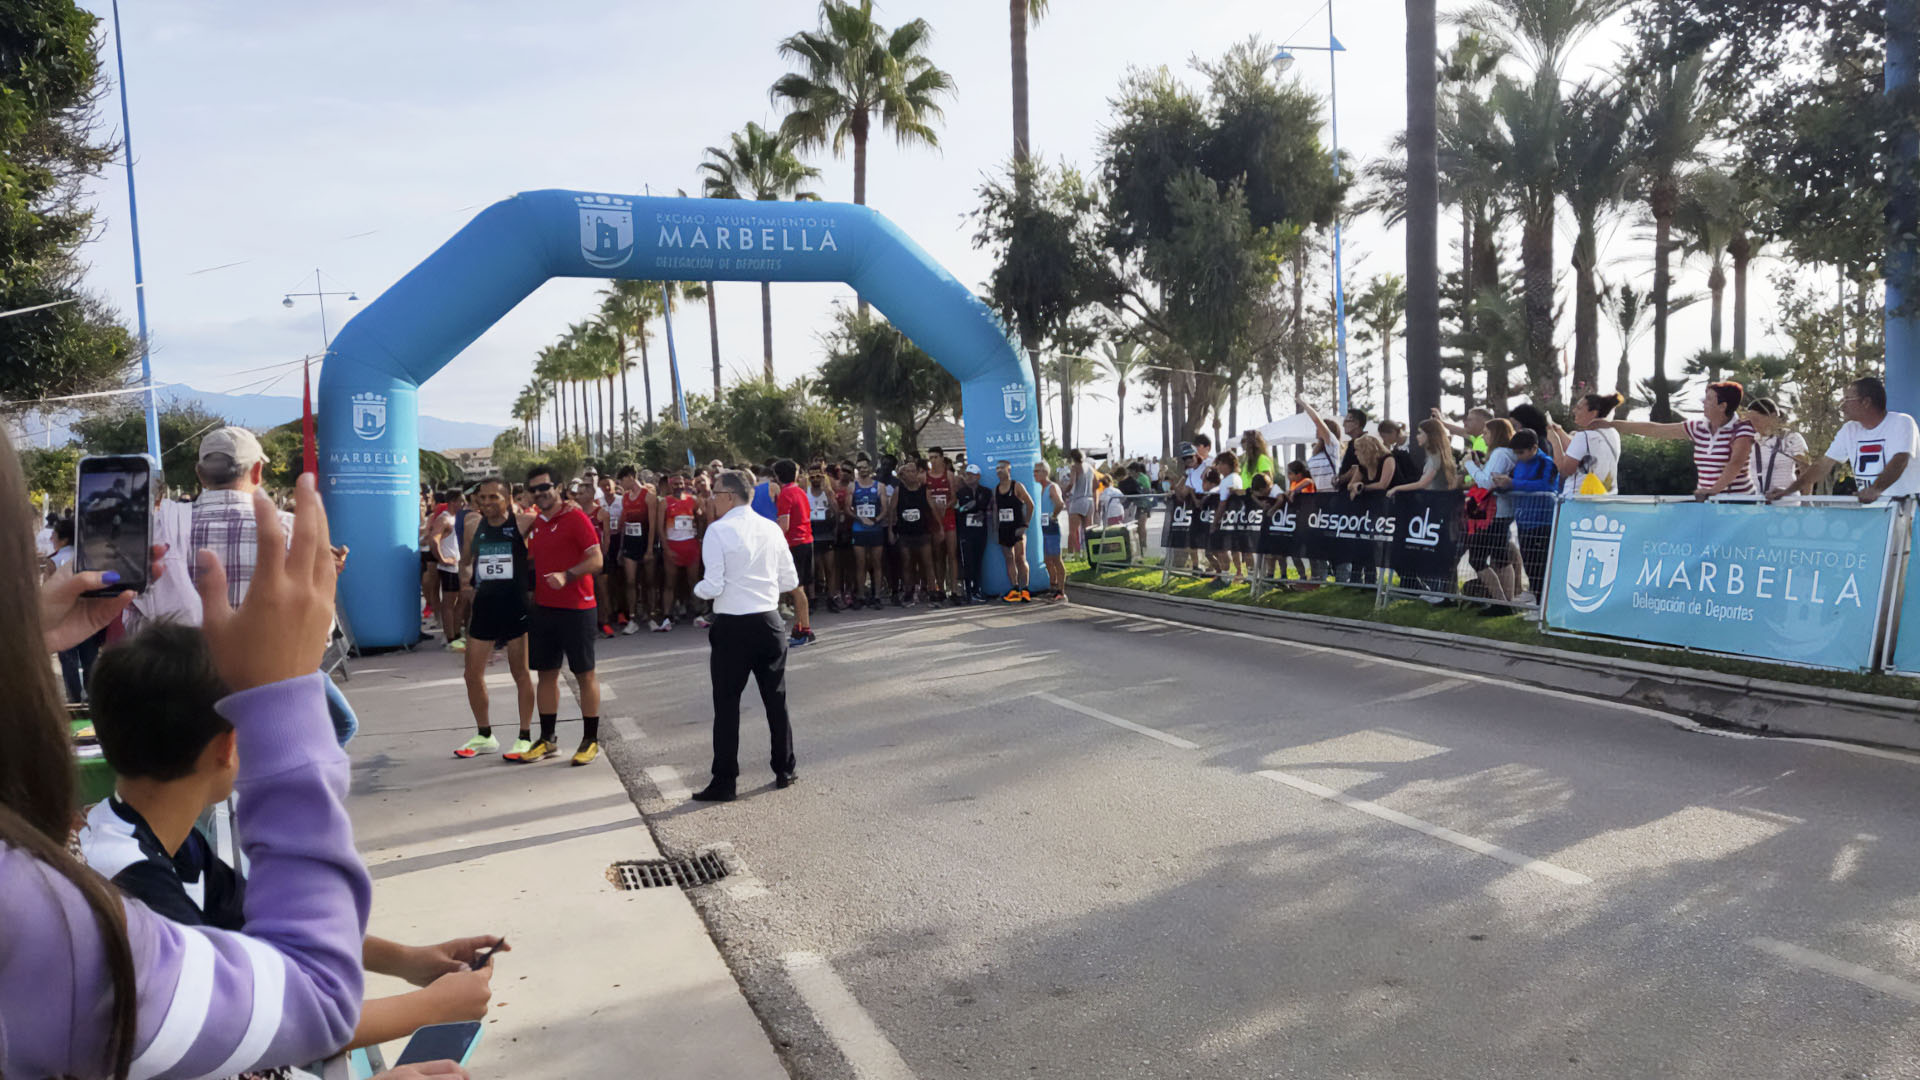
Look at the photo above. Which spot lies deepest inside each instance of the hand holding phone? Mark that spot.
(485, 956)
(113, 521)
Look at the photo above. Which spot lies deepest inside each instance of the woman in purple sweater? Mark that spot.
(92, 986)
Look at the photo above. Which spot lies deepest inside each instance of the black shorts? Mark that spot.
(1012, 534)
(869, 539)
(1489, 545)
(449, 581)
(803, 563)
(556, 633)
(912, 541)
(499, 615)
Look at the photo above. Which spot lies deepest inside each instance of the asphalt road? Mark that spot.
(1068, 843)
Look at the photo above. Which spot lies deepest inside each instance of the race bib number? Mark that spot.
(1006, 515)
(682, 527)
(975, 521)
(636, 529)
(1046, 519)
(940, 500)
(865, 511)
(819, 513)
(910, 514)
(493, 562)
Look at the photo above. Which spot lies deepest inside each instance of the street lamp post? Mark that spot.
(1283, 60)
(309, 451)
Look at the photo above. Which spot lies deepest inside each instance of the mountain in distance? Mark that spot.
(260, 413)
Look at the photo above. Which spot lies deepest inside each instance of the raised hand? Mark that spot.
(281, 628)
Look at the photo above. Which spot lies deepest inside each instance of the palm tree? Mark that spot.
(1671, 122)
(1706, 219)
(1630, 312)
(757, 165)
(626, 307)
(1069, 373)
(1596, 165)
(1379, 310)
(702, 292)
(549, 369)
(1423, 209)
(1123, 360)
(1023, 14)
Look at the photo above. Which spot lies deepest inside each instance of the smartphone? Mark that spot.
(442, 1042)
(485, 956)
(113, 519)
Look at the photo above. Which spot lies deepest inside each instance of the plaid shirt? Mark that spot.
(223, 524)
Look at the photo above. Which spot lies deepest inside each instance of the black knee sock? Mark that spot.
(486, 732)
(592, 733)
(547, 722)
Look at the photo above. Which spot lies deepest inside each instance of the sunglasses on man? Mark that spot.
(539, 489)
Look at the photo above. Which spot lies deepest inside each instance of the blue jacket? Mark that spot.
(1534, 510)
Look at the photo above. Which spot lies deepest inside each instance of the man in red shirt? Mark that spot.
(794, 513)
(565, 549)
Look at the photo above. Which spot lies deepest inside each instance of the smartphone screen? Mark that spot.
(441, 1042)
(113, 519)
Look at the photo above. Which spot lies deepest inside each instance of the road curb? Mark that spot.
(1714, 697)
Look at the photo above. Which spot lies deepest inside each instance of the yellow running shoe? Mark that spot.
(540, 749)
(586, 753)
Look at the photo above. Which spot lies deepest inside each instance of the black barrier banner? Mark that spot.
(1205, 523)
(1427, 536)
(1280, 535)
(1342, 529)
(1179, 525)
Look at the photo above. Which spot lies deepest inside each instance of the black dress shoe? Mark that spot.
(785, 780)
(714, 792)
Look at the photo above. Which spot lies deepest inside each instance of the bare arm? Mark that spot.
(1737, 459)
(1641, 427)
(1887, 478)
(449, 999)
(1387, 468)
(1452, 428)
(1810, 477)
(466, 557)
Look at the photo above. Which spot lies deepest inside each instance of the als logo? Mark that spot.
(1424, 531)
(369, 415)
(606, 230)
(1593, 561)
(1013, 397)
(1182, 517)
(1284, 520)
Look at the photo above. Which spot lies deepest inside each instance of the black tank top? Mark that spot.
(500, 558)
(1008, 510)
(911, 511)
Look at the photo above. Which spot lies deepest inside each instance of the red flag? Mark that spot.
(309, 453)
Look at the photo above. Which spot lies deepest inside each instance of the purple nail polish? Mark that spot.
(111, 577)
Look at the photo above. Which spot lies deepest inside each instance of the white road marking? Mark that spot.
(1170, 740)
(629, 729)
(666, 778)
(859, 1039)
(1680, 722)
(1891, 985)
(1438, 832)
(1429, 690)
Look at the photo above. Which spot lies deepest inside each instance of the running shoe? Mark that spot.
(479, 744)
(1026, 597)
(520, 746)
(586, 753)
(606, 629)
(701, 622)
(540, 749)
(458, 644)
(801, 637)
(1012, 597)
(896, 600)
(833, 605)
(663, 626)
(632, 628)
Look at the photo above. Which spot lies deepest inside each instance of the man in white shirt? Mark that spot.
(748, 569)
(1876, 444)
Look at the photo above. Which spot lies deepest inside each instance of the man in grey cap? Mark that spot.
(970, 509)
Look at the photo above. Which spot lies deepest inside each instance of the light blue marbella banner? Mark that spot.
(1800, 584)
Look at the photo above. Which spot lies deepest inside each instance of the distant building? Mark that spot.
(473, 462)
(946, 435)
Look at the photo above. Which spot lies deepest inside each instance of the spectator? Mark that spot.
(1254, 457)
(1779, 453)
(1473, 429)
(76, 664)
(1442, 473)
(1188, 490)
(1589, 451)
(1374, 468)
(1490, 516)
(1353, 425)
(1527, 416)
(43, 540)
(1227, 561)
(1323, 463)
(1300, 481)
(1535, 480)
(1722, 442)
(1395, 438)
(1876, 444)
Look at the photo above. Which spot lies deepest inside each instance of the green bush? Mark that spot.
(1655, 466)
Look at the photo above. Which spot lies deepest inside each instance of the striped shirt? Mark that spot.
(1713, 448)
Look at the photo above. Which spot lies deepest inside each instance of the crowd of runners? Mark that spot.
(535, 571)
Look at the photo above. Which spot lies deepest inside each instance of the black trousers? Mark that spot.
(973, 547)
(746, 645)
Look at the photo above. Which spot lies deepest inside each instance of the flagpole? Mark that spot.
(133, 221)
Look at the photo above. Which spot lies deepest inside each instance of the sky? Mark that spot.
(353, 138)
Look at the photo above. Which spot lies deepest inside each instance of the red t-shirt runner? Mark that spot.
(793, 502)
(555, 547)
(940, 493)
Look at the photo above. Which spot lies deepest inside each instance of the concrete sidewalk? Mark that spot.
(601, 982)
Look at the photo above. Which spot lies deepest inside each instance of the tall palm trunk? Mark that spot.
(1586, 309)
(1536, 257)
(1467, 298)
(626, 399)
(1017, 14)
(1066, 404)
(1122, 396)
(1486, 275)
(1740, 247)
(766, 328)
(556, 413)
(1623, 381)
(713, 337)
(580, 406)
(1297, 330)
(1386, 376)
(1423, 210)
(646, 382)
(1663, 200)
(1716, 288)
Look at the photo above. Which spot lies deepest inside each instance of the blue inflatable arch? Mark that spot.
(369, 387)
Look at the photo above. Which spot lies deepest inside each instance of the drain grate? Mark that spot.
(685, 873)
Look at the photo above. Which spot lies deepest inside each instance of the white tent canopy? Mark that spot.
(1295, 430)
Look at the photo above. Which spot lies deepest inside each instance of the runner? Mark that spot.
(826, 524)
(970, 506)
(1012, 509)
(1050, 504)
(940, 490)
(638, 566)
(446, 551)
(889, 477)
(565, 553)
(870, 506)
(1079, 505)
(680, 517)
(915, 525)
(844, 551)
(600, 510)
(794, 514)
(495, 575)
